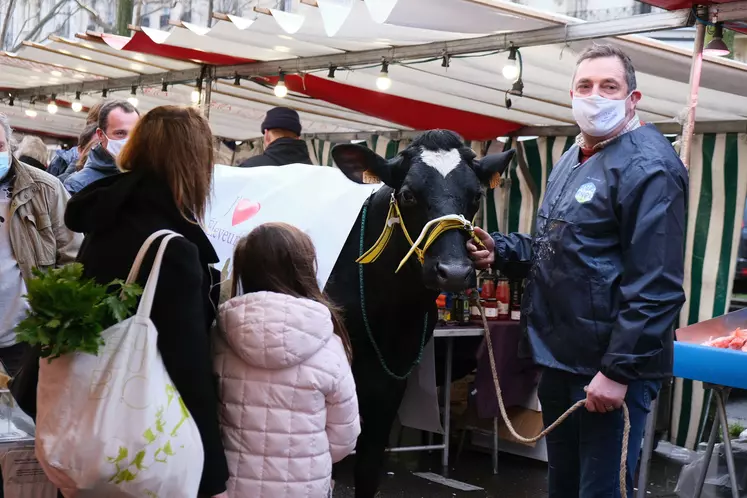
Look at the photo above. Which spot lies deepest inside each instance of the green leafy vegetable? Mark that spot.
(68, 312)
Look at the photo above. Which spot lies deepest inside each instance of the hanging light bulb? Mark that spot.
(280, 89)
(52, 106)
(383, 82)
(133, 97)
(77, 104)
(716, 46)
(31, 111)
(511, 69)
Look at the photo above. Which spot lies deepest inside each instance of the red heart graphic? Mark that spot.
(244, 210)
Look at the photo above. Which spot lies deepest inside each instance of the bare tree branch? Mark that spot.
(157, 9)
(6, 21)
(20, 32)
(43, 22)
(94, 16)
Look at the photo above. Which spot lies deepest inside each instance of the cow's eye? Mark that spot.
(408, 198)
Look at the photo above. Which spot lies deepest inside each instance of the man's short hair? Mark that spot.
(601, 51)
(107, 109)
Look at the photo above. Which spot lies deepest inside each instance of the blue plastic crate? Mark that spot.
(725, 367)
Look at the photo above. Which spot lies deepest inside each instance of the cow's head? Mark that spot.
(435, 176)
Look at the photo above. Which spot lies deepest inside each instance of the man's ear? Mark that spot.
(362, 165)
(490, 168)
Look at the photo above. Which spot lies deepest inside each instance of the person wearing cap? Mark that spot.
(283, 145)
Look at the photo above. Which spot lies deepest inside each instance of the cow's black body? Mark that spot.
(396, 306)
(435, 176)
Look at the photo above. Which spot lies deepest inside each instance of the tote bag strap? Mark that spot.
(135, 270)
(146, 301)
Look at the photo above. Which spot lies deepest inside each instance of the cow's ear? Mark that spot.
(362, 165)
(490, 168)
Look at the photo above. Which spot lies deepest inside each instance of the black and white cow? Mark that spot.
(435, 176)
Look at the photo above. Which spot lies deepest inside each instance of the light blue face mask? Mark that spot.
(4, 164)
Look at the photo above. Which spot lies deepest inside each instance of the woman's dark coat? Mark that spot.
(117, 214)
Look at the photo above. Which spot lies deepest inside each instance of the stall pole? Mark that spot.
(692, 102)
(724, 422)
(447, 404)
(210, 71)
(721, 394)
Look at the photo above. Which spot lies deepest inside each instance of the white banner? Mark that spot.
(321, 201)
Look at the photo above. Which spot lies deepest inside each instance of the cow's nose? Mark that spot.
(453, 277)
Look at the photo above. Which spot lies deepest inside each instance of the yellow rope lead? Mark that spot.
(439, 225)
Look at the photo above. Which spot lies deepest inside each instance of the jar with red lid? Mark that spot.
(491, 309)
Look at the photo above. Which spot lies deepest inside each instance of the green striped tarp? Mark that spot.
(715, 212)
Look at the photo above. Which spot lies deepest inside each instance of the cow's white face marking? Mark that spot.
(443, 161)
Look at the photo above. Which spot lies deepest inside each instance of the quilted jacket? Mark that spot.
(288, 404)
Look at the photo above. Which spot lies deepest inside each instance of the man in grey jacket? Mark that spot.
(116, 120)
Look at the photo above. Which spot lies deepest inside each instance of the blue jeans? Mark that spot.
(584, 451)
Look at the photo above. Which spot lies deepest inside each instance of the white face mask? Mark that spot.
(598, 116)
(4, 163)
(115, 146)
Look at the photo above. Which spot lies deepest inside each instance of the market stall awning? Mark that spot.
(468, 94)
(740, 26)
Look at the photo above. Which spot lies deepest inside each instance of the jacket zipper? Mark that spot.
(553, 209)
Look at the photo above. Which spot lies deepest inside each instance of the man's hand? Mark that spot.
(483, 258)
(604, 395)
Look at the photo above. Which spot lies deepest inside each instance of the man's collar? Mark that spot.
(633, 124)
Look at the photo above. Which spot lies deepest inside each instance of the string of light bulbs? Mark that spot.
(512, 71)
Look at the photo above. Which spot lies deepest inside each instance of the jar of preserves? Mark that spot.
(441, 306)
(503, 296)
(491, 309)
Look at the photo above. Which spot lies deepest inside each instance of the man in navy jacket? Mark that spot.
(604, 277)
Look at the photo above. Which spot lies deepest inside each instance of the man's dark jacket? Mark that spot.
(605, 266)
(281, 152)
(116, 215)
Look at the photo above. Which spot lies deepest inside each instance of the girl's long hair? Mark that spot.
(280, 258)
(86, 142)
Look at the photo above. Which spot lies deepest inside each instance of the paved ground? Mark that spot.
(517, 478)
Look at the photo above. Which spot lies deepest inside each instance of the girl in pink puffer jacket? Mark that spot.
(288, 404)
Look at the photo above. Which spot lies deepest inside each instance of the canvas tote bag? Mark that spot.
(113, 425)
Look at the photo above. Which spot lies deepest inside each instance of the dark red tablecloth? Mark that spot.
(518, 377)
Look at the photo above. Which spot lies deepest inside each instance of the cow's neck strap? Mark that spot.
(393, 217)
(430, 232)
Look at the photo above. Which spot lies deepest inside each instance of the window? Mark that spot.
(165, 17)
